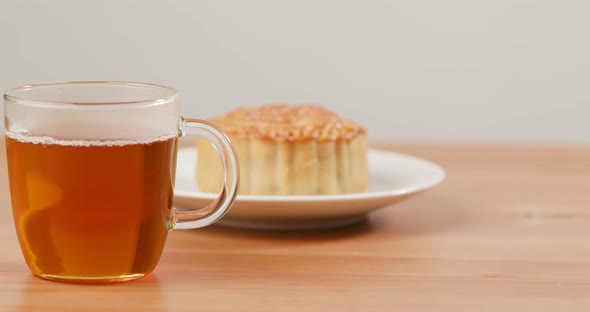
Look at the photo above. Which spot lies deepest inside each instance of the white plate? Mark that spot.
(392, 177)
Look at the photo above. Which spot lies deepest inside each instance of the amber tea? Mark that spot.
(91, 208)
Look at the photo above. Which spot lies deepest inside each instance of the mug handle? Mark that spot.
(231, 176)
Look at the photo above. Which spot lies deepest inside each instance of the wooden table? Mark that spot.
(508, 230)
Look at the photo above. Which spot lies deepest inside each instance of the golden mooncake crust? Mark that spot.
(282, 122)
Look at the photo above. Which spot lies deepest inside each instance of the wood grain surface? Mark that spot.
(508, 230)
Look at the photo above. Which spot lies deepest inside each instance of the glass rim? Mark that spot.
(11, 94)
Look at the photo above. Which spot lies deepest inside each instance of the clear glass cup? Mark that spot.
(91, 170)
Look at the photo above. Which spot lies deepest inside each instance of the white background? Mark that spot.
(444, 71)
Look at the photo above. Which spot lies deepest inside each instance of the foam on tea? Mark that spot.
(20, 135)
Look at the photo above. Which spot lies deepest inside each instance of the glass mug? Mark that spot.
(91, 170)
